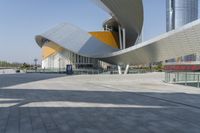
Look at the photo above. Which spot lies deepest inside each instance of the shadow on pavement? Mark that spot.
(62, 111)
(15, 79)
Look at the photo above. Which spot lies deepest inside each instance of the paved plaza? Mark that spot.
(140, 103)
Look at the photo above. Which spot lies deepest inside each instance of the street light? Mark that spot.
(35, 60)
(58, 65)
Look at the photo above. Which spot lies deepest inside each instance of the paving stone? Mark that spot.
(142, 103)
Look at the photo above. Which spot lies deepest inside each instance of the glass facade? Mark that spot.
(65, 57)
(180, 12)
(191, 57)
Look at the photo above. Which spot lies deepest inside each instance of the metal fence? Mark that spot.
(183, 78)
(75, 71)
(88, 71)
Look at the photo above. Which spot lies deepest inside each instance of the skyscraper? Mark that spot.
(180, 12)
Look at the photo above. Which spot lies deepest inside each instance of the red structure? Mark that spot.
(187, 68)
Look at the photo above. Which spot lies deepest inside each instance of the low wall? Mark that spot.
(7, 71)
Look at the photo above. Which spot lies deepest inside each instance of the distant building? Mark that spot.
(180, 12)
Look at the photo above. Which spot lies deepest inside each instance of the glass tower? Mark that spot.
(180, 12)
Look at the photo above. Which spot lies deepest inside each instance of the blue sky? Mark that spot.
(21, 20)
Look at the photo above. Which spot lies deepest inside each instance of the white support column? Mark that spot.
(124, 38)
(119, 70)
(127, 68)
(106, 27)
(120, 37)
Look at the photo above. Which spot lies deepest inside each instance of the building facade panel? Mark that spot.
(107, 37)
(168, 46)
(129, 16)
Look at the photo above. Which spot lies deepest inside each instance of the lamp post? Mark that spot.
(59, 64)
(35, 60)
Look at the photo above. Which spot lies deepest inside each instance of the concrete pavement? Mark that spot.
(139, 103)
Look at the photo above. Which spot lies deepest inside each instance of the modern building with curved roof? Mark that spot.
(69, 44)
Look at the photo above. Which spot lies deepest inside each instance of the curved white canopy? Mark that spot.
(129, 15)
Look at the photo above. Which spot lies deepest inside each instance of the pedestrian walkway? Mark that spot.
(139, 103)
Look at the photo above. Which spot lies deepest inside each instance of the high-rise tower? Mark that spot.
(180, 12)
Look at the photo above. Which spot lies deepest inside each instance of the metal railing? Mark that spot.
(75, 71)
(183, 78)
(87, 71)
